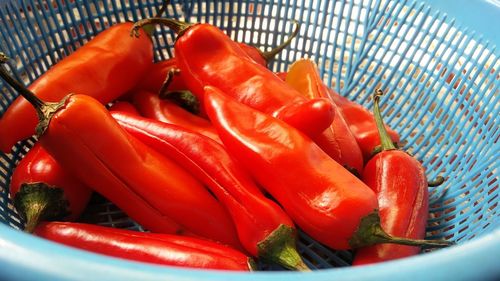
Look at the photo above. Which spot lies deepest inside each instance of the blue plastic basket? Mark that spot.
(442, 74)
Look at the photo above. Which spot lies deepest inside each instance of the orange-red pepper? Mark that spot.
(401, 186)
(105, 67)
(337, 140)
(264, 229)
(152, 106)
(161, 249)
(43, 190)
(207, 56)
(153, 190)
(325, 200)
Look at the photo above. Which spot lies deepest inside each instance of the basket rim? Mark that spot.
(27, 257)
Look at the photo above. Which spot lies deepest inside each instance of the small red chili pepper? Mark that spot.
(162, 249)
(153, 190)
(124, 106)
(207, 56)
(43, 191)
(105, 67)
(337, 140)
(401, 186)
(150, 105)
(264, 229)
(328, 202)
(362, 124)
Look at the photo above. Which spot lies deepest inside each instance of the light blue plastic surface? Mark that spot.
(442, 75)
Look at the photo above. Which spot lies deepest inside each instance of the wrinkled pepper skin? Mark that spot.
(401, 187)
(323, 198)
(362, 124)
(207, 56)
(150, 105)
(106, 67)
(337, 140)
(34, 176)
(136, 178)
(161, 249)
(255, 216)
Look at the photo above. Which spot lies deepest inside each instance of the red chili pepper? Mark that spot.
(42, 190)
(264, 229)
(162, 249)
(152, 106)
(337, 140)
(106, 67)
(362, 124)
(124, 106)
(153, 190)
(328, 202)
(155, 77)
(401, 186)
(207, 56)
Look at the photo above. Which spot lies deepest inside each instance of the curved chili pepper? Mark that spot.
(337, 140)
(162, 249)
(264, 229)
(42, 190)
(152, 106)
(156, 77)
(207, 56)
(362, 124)
(105, 67)
(325, 200)
(124, 106)
(401, 186)
(85, 139)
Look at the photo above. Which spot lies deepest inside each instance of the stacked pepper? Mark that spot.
(203, 175)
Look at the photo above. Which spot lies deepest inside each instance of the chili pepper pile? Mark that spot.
(194, 147)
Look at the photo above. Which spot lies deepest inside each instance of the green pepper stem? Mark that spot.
(385, 139)
(149, 28)
(178, 27)
(436, 182)
(279, 247)
(38, 201)
(271, 54)
(370, 232)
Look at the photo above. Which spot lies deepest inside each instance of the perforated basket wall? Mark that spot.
(441, 79)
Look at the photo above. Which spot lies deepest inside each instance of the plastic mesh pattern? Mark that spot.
(442, 83)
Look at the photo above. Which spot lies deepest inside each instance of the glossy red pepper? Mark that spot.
(401, 186)
(152, 106)
(153, 190)
(42, 190)
(106, 67)
(155, 77)
(325, 200)
(207, 56)
(264, 229)
(362, 124)
(162, 249)
(337, 140)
